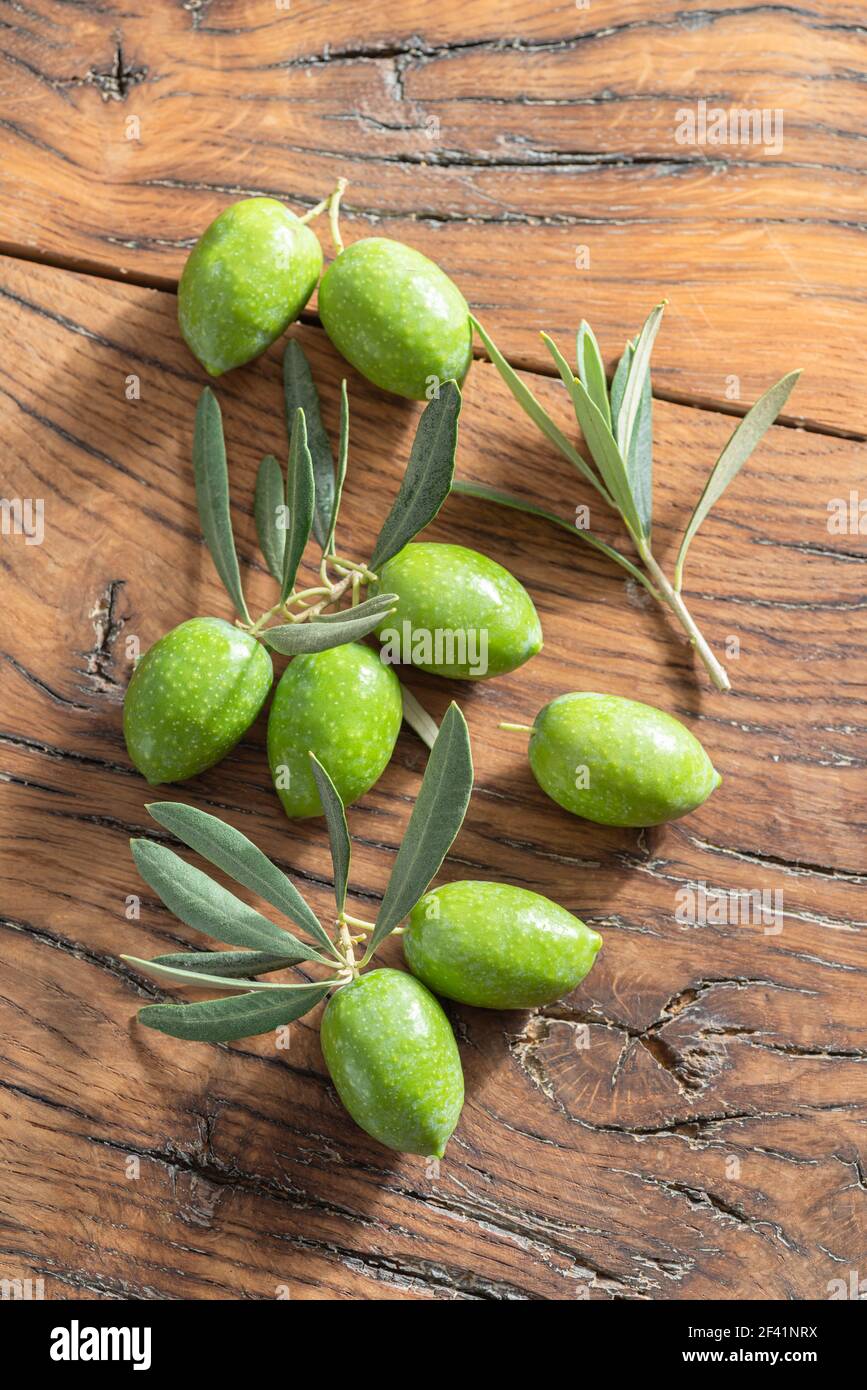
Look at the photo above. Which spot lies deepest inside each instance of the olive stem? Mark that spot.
(358, 922)
(346, 943)
(519, 728)
(255, 628)
(670, 596)
(334, 214)
(315, 212)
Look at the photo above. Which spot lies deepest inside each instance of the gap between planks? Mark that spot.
(168, 285)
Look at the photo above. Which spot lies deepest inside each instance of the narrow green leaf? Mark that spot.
(240, 1016)
(591, 370)
(639, 370)
(212, 497)
(527, 401)
(639, 465)
(378, 604)
(599, 439)
(232, 963)
(733, 457)
(269, 511)
(428, 475)
(342, 461)
(224, 846)
(435, 821)
(504, 499)
(198, 979)
(299, 391)
(618, 385)
(338, 831)
(292, 638)
(203, 903)
(300, 497)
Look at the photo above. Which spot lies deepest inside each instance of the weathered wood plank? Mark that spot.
(685, 1125)
(490, 153)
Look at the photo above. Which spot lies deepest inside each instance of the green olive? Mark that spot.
(192, 696)
(343, 705)
(393, 1058)
(617, 761)
(497, 946)
(246, 279)
(396, 317)
(458, 613)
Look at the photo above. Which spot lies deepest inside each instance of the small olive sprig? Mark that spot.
(617, 428)
(255, 1005)
(307, 502)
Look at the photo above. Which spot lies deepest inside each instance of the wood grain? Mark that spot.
(497, 138)
(686, 1125)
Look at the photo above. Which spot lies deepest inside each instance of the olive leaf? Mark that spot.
(618, 384)
(639, 370)
(379, 604)
(234, 963)
(436, 818)
(600, 441)
(319, 635)
(269, 510)
(225, 847)
(428, 475)
(342, 460)
(299, 391)
(591, 370)
(338, 831)
(197, 978)
(733, 457)
(528, 402)
(203, 903)
(300, 498)
(239, 1016)
(212, 497)
(504, 499)
(639, 465)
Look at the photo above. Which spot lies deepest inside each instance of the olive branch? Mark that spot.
(306, 501)
(254, 1005)
(617, 426)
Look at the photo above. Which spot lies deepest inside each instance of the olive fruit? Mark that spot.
(617, 761)
(194, 693)
(458, 613)
(393, 1058)
(396, 317)
(497, 946)
(344, 706)
(246, 279)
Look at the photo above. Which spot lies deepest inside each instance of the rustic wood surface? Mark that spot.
(495, 136)
(689, 1123)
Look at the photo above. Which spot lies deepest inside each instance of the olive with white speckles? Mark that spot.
(343, 705)
(617, 761)
(393, 1058)
(192, 696)
(396, 316)
(497, 946)
(458, 613)
(246, 279)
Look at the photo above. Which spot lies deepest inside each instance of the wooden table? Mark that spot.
(687, 1124)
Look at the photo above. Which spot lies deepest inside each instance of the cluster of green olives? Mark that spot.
(394, 314)
(337, 709)
(442, 608)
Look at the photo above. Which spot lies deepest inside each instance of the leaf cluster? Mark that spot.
(252, 1005)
